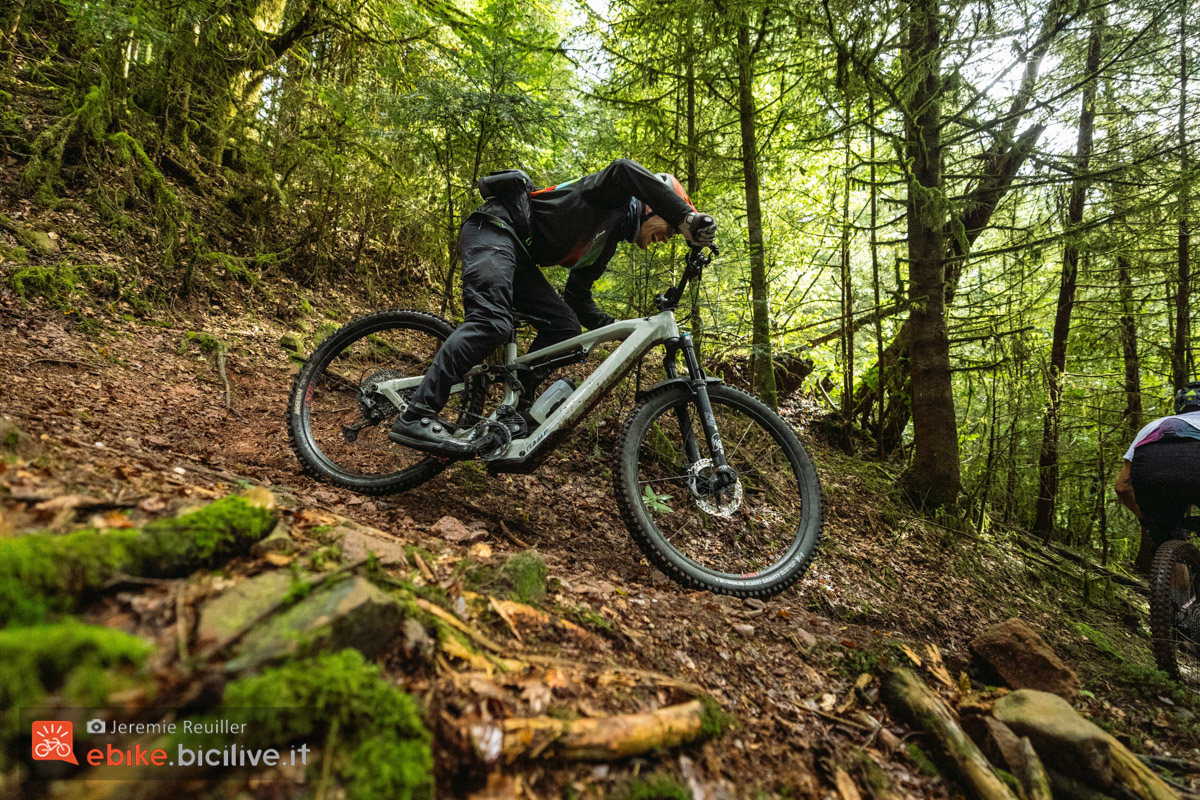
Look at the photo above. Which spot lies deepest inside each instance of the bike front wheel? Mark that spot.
(1175, 609)
(753, 538)
(337, 423)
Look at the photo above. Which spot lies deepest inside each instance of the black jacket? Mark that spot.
(579, 223)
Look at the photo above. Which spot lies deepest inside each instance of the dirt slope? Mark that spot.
(121, 416)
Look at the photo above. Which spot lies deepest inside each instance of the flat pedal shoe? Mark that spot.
(430, 435)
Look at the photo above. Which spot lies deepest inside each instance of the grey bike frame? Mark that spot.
(637, 336)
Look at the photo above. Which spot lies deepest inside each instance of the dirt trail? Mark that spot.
(122, 416)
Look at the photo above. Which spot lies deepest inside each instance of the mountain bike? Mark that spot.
(714, 486)
(1175, 605)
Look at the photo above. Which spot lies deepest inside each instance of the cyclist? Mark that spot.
(1160, 478)
(577, 224)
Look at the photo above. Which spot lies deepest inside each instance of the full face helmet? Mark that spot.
(1188, 398)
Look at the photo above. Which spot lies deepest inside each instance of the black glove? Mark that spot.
(700, 230)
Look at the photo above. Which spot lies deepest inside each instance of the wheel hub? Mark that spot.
(372, 404)
(702, 482)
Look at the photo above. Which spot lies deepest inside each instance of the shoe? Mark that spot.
(429, 434)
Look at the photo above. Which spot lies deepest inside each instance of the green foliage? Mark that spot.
(656, 502)
(657, 786)
(83, 663)
(382, 749)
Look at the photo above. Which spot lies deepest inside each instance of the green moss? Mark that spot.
(526, 576)
(205, 342)
(1096, 637)
(659, 786)
(714, 720)
(585, 616)
(84, 663)
(59, 284)
(923, 762)
(383, 747)
(42, 574)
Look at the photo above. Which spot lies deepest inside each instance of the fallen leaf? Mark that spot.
(111, 519)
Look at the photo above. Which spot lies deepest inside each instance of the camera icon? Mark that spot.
(95, 726)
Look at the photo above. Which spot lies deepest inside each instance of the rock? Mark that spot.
(43, 242)
(744, 630)
(1023, 660)
(231, 610)
(453, 530)
(1065, 741)
(291, 344)
(357, 540)
(805, 639)
(995, 740)
(417, 642)
(16, 441)
(351, 612)
(278, 541)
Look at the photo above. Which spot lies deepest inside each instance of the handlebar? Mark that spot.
(696, 260)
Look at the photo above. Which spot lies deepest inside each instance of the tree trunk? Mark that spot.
(1181, 366)
(847, 285)
(933, 478)
(1048, 458)
(760, 339)
(1129, 350)
(1001, 162)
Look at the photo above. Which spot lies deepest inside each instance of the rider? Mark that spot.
(1160, 478)
(577, 224)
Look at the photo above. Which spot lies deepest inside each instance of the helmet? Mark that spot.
(676, 187)
(1188, 398)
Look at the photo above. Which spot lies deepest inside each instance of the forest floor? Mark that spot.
(128, 416)
(111, 419)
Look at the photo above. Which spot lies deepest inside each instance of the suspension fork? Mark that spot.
(708, 422)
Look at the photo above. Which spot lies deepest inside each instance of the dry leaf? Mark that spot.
(913, 657)
(845, 785)
(279, 559)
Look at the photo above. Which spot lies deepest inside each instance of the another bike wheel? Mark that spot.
(1175, 609)
(752, 539)
(339, 427)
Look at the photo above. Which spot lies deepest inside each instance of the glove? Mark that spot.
(700, 230)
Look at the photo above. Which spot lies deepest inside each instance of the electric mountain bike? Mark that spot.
(1175, 606)
(714, 486)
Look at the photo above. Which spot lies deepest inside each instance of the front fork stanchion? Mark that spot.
(691, 447)
(724, 474)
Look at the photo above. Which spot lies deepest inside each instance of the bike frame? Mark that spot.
(638, 336)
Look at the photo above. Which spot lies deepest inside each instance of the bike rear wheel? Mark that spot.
(753, 539)
(339, 427)
(1175, 609)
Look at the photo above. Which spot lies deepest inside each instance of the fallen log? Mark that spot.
(910, 698)
(610, 738)
(43, 574)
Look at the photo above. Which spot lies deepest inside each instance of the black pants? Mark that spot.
(1166, 482)
(498, 278)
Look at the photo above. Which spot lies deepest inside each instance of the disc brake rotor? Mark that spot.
(709, 501)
